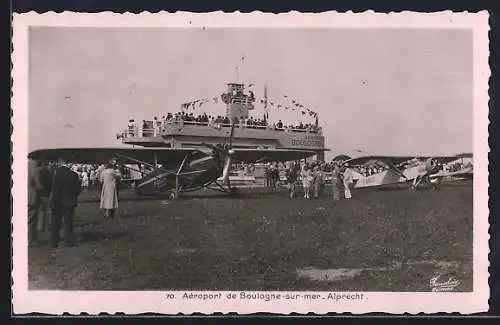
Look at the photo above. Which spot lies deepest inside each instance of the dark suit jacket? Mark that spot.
(46, 179)
(35, 185)
(65, 188)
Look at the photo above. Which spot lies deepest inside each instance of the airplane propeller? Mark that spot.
(226, 151)
(229, 153)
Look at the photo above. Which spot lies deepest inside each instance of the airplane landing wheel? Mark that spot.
(172, 196)
(435, 186)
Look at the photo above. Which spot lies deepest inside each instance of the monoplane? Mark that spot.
(177, 170)
(420, 171)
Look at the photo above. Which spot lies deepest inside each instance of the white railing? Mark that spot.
(133, 132)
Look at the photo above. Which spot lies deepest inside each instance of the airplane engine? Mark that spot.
(429, 167)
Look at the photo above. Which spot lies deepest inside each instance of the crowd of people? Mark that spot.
(313, 178)
(457, 166)
(369, 170)
(56, 187)
(158, 125)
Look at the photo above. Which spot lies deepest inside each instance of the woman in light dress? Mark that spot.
(307, 180)
(348, 179)
(93, 177)
(109, 178)
(85, 179)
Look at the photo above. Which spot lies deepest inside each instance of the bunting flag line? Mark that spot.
(294, 106)
(226, 98)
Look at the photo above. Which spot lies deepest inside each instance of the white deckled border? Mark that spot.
(57, 302)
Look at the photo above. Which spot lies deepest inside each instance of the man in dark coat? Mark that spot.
(65, 190)
(35, 199)
(46, 178)
(291, 177)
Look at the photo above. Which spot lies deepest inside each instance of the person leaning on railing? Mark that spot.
(180, 118)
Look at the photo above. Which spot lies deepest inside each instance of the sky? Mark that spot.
(379, 91)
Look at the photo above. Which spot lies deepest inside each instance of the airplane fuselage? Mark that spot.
(194, 175)
(391, 176)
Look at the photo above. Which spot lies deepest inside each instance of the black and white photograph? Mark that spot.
(278, 162)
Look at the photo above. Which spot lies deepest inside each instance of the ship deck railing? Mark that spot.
(137, 132)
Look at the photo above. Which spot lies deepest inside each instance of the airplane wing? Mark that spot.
(391, 160)
(123, 155)
(265, 155)
(446, 159)
(396, 160)
(464, 155)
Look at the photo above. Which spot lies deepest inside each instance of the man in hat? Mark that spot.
(131, 127)
(318, 181)
(336, 181)
(65, 190)
(291, 177)
(36, 196)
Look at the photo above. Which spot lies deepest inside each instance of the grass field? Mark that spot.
(381, 240)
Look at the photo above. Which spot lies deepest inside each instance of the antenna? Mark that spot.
(241, 65)
(265, 100)
(237, 68)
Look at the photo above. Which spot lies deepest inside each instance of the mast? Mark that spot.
(266, 113)
(241, 67)
(238, 67)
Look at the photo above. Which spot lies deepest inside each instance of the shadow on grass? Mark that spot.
(91, 236)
